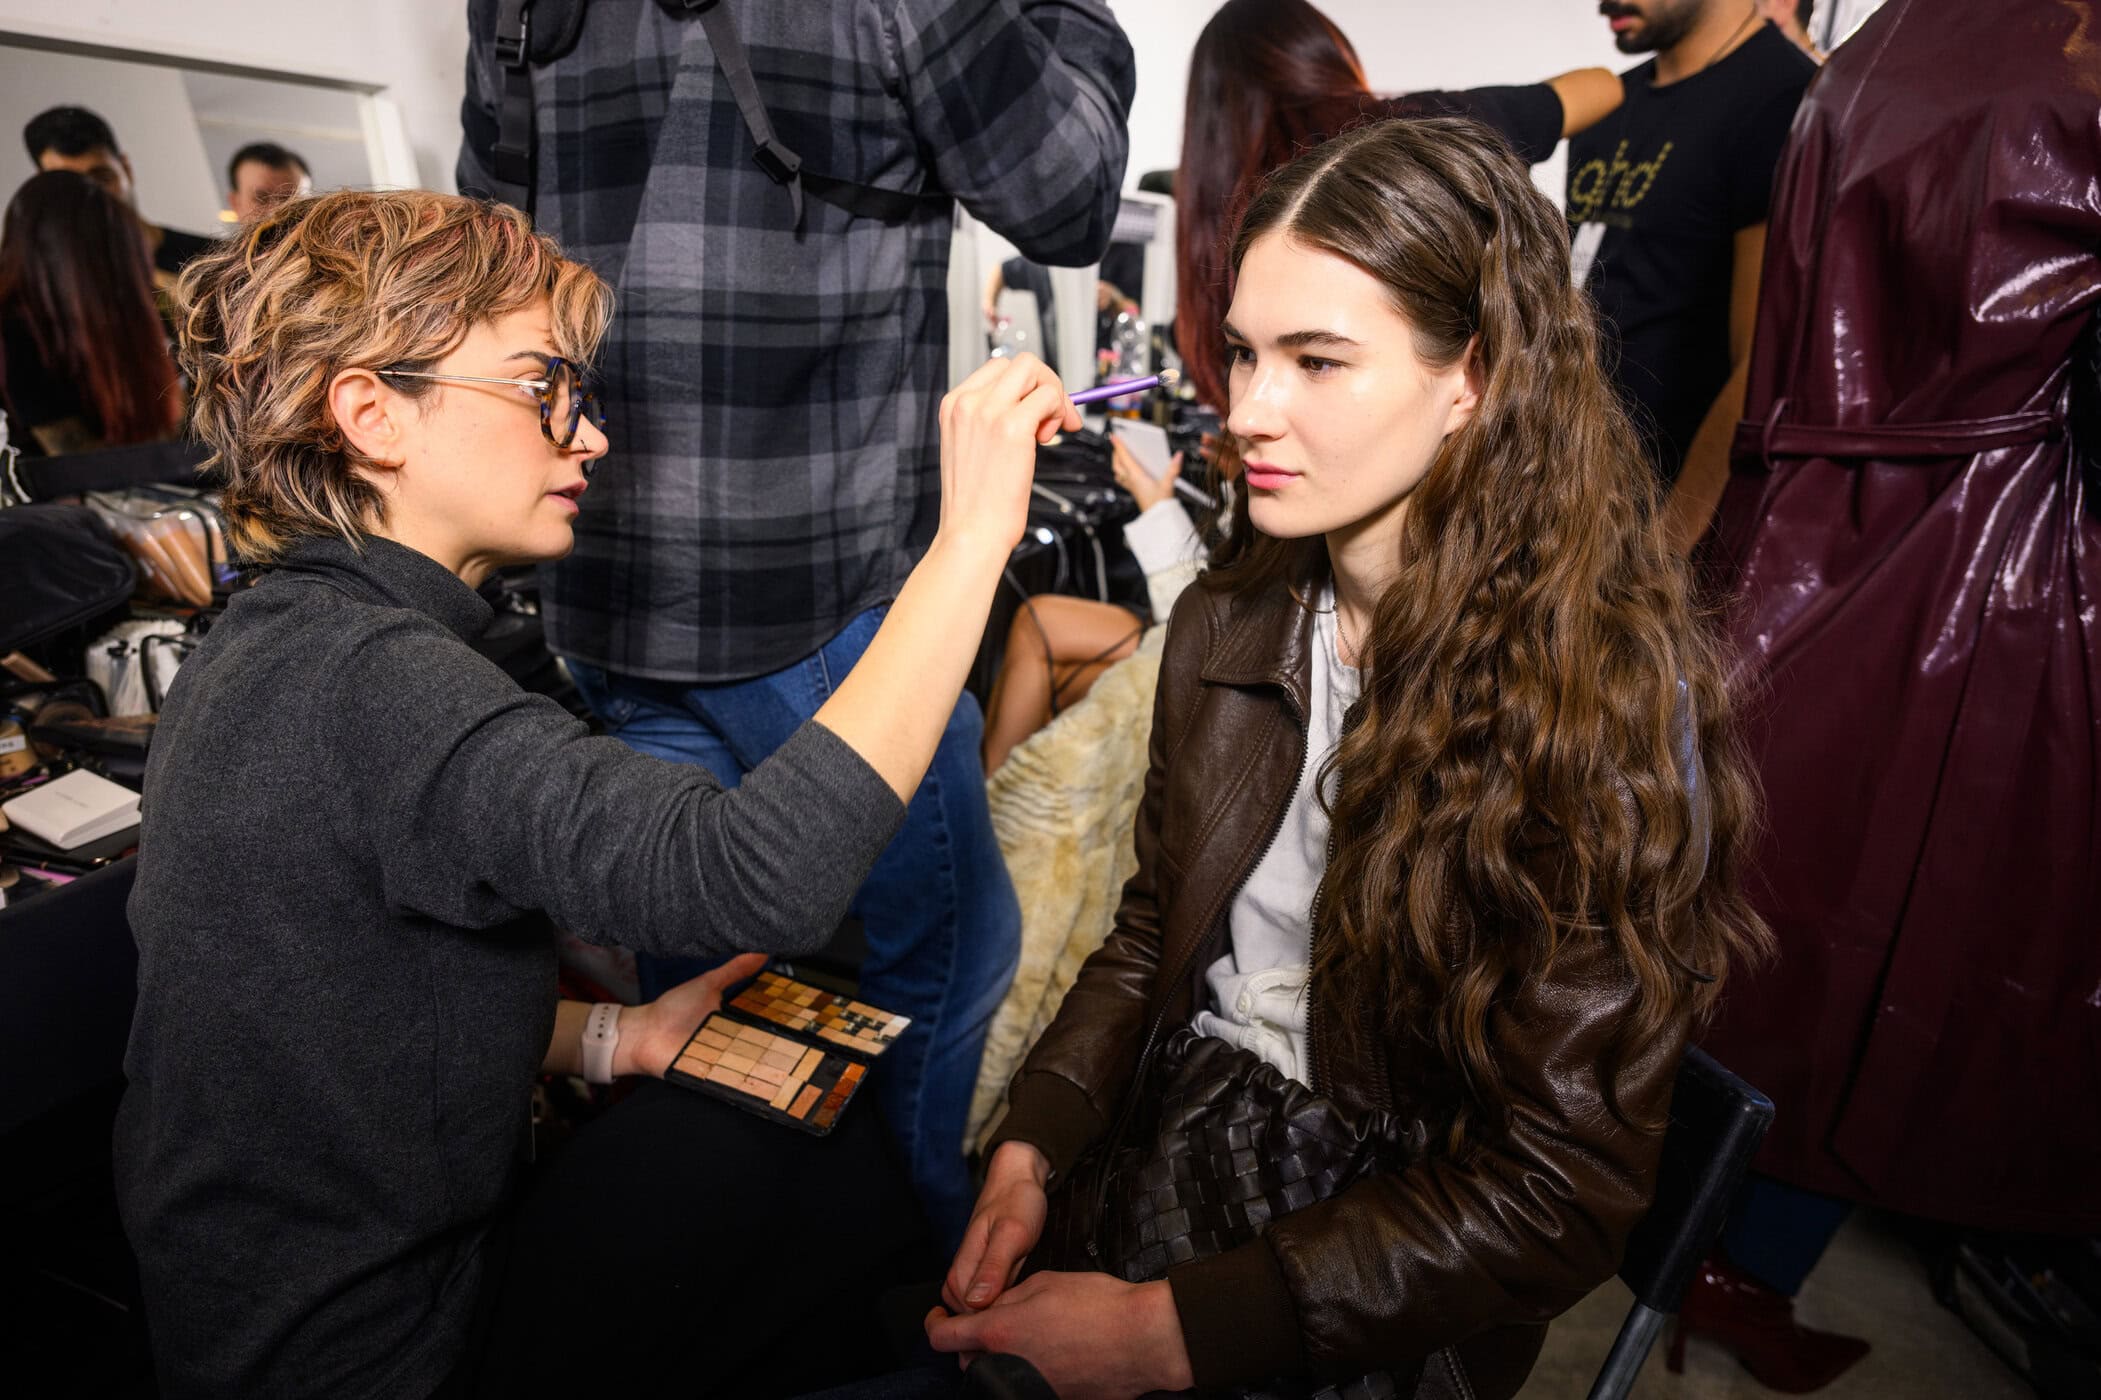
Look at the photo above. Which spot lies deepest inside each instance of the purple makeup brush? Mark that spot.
(1128, 386)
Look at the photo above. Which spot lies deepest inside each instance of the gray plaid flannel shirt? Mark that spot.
(771, 395)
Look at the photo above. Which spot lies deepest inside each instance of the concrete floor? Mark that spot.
(1871, 1284)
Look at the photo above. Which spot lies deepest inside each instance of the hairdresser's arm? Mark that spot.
(1588, 96)
(1705, 474)
(894, 704)
(1021, 105)
(484, 803)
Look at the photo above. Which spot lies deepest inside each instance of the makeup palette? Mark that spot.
(768, 1074)
(775, 1070)
(854, 1026)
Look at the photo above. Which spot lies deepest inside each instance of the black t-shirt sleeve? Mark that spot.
(1759, 142)
(1529, 117)
(177, 248)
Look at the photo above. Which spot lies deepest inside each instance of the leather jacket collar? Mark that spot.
(1267, 639)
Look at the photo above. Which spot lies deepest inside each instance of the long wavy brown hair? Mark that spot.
(1542, 751)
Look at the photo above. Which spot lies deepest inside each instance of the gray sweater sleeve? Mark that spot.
(486, 802)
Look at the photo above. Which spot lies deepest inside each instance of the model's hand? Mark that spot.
(1093, 1336)
(1004, 1226)
(651, 1034)
(1134, 478)
(991, 424)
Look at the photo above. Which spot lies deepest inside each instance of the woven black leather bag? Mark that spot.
(1218, 1145)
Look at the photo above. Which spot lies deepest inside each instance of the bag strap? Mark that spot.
(782, 165)
(511, 158)
(516, 46)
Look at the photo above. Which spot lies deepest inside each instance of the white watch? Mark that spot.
(601, 1034)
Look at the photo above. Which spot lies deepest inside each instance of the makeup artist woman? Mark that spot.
(357, 832)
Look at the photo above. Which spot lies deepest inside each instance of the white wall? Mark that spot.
(416, 49)
(147, 108)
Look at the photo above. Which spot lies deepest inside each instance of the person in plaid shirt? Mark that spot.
(773, 385)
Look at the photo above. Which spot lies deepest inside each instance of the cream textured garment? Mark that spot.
(1062, 808)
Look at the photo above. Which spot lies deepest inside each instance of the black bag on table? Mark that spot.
(60, 568)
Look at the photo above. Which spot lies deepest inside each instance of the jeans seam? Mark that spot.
(942, 842)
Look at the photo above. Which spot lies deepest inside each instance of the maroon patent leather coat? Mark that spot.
(1915, 543)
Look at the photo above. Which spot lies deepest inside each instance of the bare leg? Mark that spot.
(1057, 648)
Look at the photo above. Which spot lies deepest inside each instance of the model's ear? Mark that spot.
(1466, 388)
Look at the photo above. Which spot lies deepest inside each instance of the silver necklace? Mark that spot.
(1346, 650)
(1716, 56)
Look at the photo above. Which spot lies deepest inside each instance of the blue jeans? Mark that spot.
(943, 928)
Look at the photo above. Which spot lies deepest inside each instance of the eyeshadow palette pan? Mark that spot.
(768, 1074)
(853, 1026)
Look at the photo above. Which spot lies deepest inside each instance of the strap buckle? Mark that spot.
(781, 165)
(512, 50)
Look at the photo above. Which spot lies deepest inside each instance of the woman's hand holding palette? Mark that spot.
(779, 1076)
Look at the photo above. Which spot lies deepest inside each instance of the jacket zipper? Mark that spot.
(1381, 1076)
(1313, 1057)
(1145, 1054)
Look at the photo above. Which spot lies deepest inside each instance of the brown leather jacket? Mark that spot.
(1460, 1263)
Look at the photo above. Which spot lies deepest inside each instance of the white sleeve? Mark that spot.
(1166, 546)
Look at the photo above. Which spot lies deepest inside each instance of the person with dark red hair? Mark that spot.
(85, 361)
(1271, 79)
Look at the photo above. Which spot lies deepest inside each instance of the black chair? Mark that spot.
(66, 998)
(1717, 1122)
(67, 1279)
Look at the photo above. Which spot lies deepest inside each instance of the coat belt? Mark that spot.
(1954, 437)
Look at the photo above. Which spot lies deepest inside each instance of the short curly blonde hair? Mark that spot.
(315, 286)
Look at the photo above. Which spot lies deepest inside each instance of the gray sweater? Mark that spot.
(356, 832)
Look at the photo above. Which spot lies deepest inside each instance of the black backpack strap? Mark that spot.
(781, 165)
(511, 158)
(518, 43)
(869, 201)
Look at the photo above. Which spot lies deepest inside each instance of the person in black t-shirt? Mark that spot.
(1667, 206)
(73, 138)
